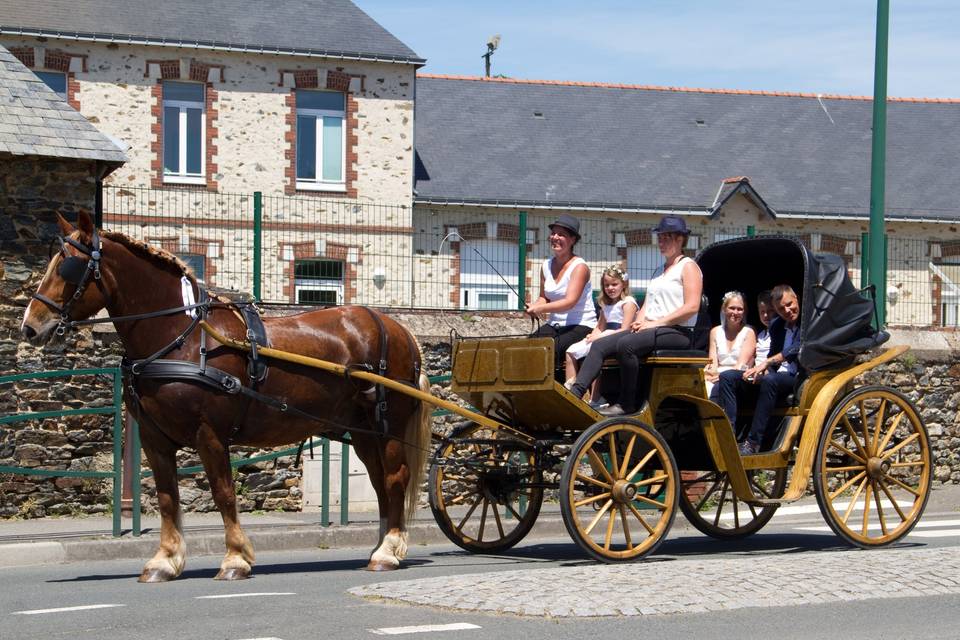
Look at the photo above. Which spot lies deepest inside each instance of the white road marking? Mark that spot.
(796, 510)
(937, 533)
(270, 638)
(34, 612)
(247, 595)
(423, 628)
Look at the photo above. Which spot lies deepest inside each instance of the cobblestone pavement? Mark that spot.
(686, 586)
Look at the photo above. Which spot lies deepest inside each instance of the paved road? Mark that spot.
(786, 582)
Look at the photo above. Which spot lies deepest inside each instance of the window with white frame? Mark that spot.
(184, 126)
(321, 141)
(55, 80)
(949, 273)
(318, 281)
(480, 286)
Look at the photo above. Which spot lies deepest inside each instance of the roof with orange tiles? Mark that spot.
(530, 143)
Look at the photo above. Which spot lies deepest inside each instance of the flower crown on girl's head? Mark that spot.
(615, 271)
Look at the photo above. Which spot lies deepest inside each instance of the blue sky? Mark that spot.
(815, 46)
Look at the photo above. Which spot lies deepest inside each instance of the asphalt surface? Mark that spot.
(59, 540)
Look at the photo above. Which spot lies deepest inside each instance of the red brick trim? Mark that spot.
(334, 251)
(351, 125)
(73, 91)
(196, 246)
(211, 96)
(24, 55)
(156, 130)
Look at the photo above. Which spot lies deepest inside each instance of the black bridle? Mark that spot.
(78, 272)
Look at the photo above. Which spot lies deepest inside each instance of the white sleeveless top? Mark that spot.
(665, 294)
(613, 313)
(583, 312)
(727, 360)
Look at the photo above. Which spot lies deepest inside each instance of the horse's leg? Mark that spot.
(367, 449)
(396, 474)
(171, 556)
(215, 456)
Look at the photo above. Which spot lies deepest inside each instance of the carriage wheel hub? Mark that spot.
(624, 491)
(877, 467)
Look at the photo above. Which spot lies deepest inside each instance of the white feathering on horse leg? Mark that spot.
(391, 551)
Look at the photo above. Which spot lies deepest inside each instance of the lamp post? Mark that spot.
(877, 251)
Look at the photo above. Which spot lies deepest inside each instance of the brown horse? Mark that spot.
(389, 430)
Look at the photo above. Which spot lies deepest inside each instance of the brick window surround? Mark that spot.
(197, 71)
(55, 60)
(335, 81)
(197, 246)
(477, 231)
(308, 251)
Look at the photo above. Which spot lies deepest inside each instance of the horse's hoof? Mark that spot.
(155, 575)
(382, 566)
(233, 573)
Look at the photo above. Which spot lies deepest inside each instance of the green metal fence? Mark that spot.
(115, 409)
(306, 250)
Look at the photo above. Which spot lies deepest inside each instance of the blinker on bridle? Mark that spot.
(76, 271)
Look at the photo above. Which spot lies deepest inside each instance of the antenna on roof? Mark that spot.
(492, 43)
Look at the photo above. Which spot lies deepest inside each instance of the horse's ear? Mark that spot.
(65, 227)
(85, 223)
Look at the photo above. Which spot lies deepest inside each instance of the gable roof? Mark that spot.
(621, 147)
(35, 121)
(324, 28)
(731, 187)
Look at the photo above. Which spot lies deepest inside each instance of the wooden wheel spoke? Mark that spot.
(473, 508)
(854, 437)
(592, 499)
(863, 425)
(845, 451)
(901, 445)
(852, 467)
(708, 494)
(906, 464)
(614, 461)
(611, 518)
(892, 499)
(626, 528)
(513, 511)
(483, 519)
(759, 487)
(847, 484)
(876, 499)
(597, 463)
(639, 517)
(594, 481)
(736, 510)
(659, 505)
(853, 499)
(496, 516)
(641, 464)
(606, 507)
(881, 416)
(723, 498)
(893, 429)
(653, 480)
(626, 455)
(866, 509)
(902, 485)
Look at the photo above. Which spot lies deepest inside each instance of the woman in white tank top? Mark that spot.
(566, 294)
(732, 343)
(665, 321)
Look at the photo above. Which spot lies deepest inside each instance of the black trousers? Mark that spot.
(563, 336)
(629, 349)
(773, 389)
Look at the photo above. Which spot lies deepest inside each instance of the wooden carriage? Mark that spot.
(620, 481)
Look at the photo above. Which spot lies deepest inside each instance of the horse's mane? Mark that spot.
(160, 257)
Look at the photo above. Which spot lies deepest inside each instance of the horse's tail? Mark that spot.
(417, 447)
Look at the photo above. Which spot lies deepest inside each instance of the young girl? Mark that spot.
(619, 311)
(732, 344)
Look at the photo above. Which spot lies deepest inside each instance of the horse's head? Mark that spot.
(65, 294)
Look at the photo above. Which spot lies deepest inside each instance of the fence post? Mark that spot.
(325, 482)
(257, 231)
(137, 507)
(344, 483)
(864, 260)
(522, 262)
(751, 231)
(117, 452)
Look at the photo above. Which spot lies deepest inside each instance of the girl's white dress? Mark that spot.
(613, 313)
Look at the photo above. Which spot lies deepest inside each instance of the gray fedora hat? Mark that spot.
(568, 222)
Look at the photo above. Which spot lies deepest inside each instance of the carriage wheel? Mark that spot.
(872, 469)
(708, 502)
(485, 496)
(618, 490)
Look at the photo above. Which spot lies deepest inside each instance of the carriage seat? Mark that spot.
(700, 343)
